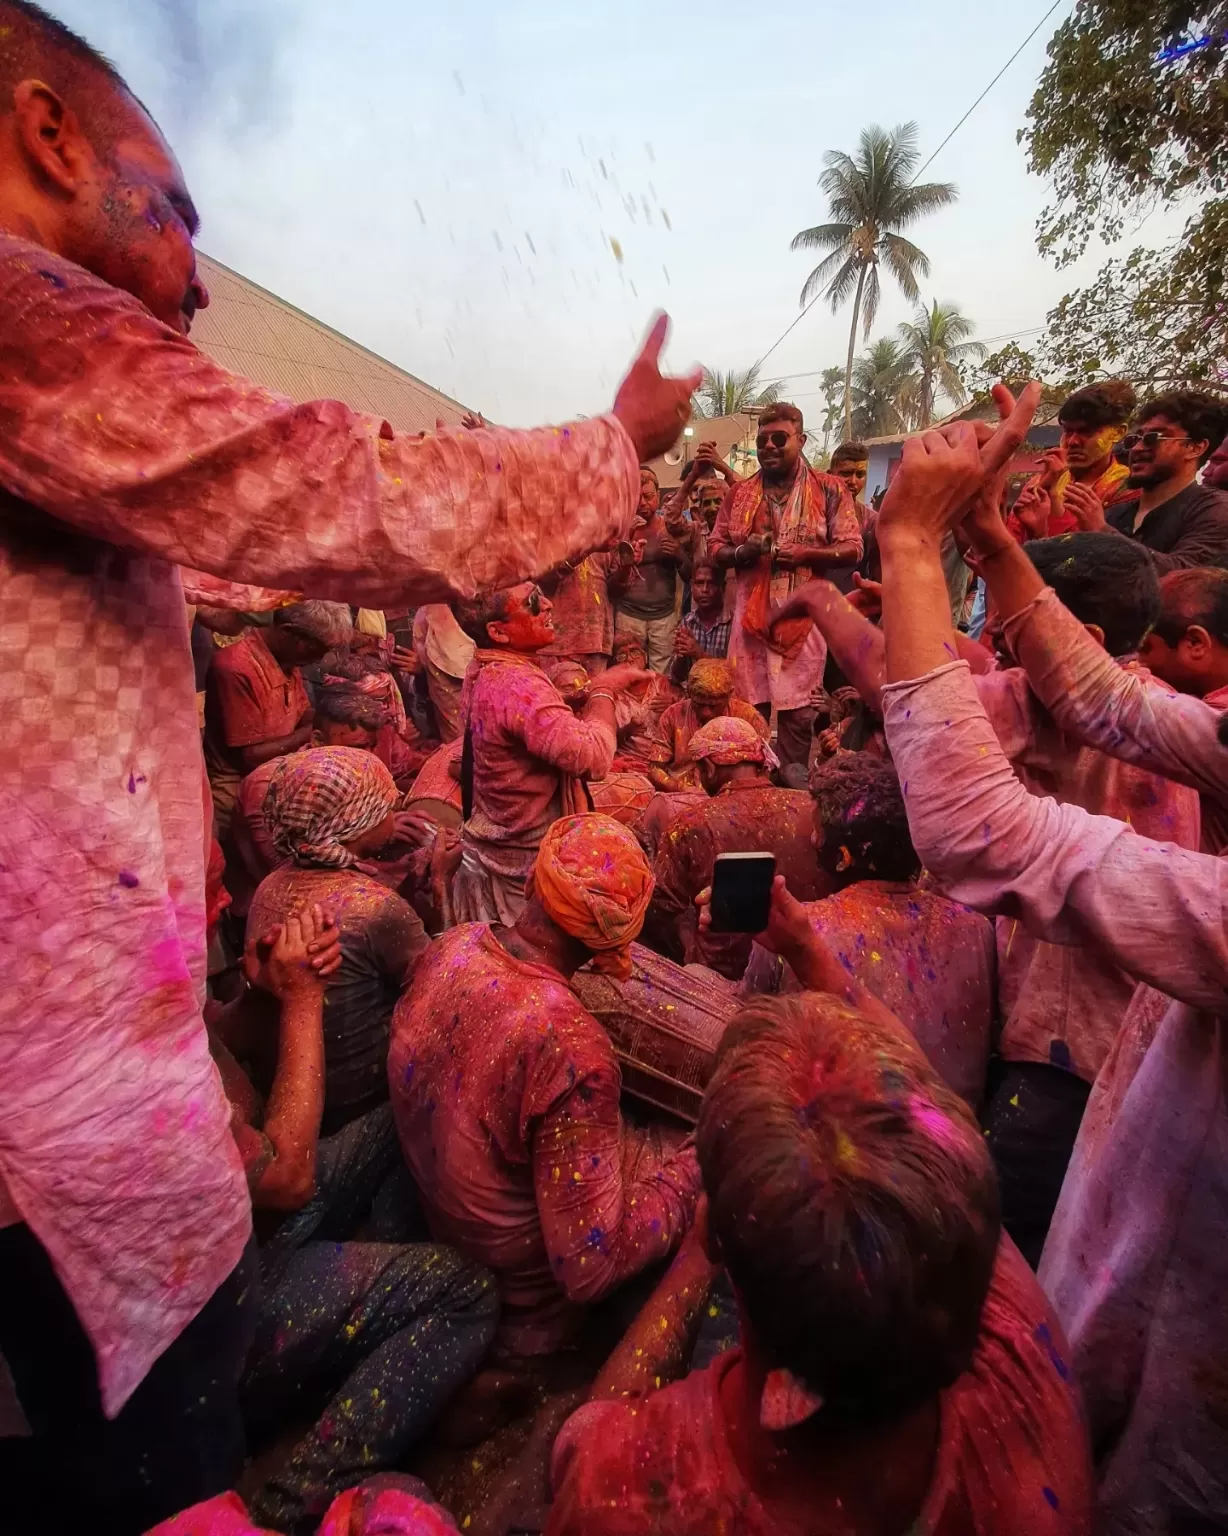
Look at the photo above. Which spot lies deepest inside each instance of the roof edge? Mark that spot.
(332, 331)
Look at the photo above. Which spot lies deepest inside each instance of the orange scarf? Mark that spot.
(803, 521)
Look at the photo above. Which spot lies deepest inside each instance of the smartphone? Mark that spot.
(742, 892)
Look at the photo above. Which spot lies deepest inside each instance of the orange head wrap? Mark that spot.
(592, 878)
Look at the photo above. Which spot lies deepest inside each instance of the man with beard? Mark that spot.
(1182, 523)
(780, 528)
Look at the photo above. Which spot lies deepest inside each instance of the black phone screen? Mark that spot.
(742, 892)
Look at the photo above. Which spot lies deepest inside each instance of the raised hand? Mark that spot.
(867, 597)
(654, 409)
(983, 526)
(1033, 509)
(297, 955)
(940, 474)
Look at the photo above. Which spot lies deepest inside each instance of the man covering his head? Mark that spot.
(506, 1093)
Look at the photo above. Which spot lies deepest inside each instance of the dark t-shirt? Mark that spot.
(1191, 529)
(380, 933)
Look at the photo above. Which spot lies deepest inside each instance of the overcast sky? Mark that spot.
(497, 195)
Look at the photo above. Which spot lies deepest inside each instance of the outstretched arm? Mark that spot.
(121, 429)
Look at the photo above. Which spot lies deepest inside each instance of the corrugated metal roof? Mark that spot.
(251, 331)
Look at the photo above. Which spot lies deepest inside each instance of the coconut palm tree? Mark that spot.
(884, 390)
(936, 341)
(728, 394)
(831, 384)
(870, 199)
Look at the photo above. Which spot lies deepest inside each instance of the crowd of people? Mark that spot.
(352, 773)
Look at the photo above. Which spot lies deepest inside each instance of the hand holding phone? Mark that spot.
(742, 892)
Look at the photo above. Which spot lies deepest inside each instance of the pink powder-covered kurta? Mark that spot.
(1062, 1005)
(505, 1091)
(927, 958)
(125, 452)
(1011, 1459)
(527, 745)
(1136, 1261)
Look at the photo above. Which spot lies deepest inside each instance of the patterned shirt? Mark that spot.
(124, 453)
(713, 638)
(505, 1091)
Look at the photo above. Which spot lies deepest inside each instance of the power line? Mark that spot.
(987, 89)
(1032, 330)
(930, 161)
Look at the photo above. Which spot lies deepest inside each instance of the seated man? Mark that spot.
(370, 1340)
(327, 809)
(745, 813)
(1061, 1008)
(709, 694)
(900, 1368)
(926, 958)
(526, 750)
(343, 717)
(256, 706)
(505, 1091)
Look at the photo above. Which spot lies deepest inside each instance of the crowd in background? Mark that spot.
(396, 1138)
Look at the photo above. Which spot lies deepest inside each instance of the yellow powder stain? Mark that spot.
(846, 1152)
(1015, 1102)
(875, 956)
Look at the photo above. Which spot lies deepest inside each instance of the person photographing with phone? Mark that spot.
(778, 529)
(745, 813)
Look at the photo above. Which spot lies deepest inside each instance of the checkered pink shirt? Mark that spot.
(123, 453)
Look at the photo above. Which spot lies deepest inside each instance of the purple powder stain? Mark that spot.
(1051, 1498)
(128, 880)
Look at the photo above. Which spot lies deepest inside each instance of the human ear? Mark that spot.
(50, 135)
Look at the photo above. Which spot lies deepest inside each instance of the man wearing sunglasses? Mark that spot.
(1183, 524)
(778, 529)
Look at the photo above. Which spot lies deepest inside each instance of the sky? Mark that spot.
(497, 196)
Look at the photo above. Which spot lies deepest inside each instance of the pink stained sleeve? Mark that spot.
(122, 429)
(1154, 909)
(1010, 708)
(572, 744)
(599, 1228)
(1113, 709)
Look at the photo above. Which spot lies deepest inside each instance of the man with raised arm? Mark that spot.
(1135, 1262)
(125, 452)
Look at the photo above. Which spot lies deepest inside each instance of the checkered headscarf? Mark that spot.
(323, 798)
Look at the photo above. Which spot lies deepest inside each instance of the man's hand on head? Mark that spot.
(654, 409)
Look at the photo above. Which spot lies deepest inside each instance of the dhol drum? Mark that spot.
(666, 1022)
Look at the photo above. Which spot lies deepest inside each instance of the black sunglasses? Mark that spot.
(1149, 440)
(775, 439)
(533, 602)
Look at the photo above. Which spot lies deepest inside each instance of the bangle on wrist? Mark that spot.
(601, 693)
